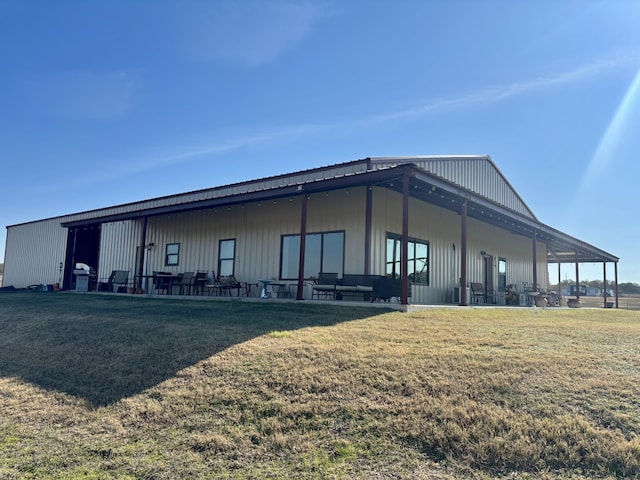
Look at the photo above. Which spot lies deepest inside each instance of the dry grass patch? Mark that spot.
(444, 393)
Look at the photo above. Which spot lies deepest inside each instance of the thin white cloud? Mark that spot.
(494, 94)
(196, 150)
(250, 33)
(170, 156)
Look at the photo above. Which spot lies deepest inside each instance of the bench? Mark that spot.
(352, 284)
(385, 288)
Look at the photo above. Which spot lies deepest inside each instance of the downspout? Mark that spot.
(303, 244)
(143, 250)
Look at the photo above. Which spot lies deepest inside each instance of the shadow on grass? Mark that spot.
(104, 348)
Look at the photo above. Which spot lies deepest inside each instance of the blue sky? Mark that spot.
(108, 102)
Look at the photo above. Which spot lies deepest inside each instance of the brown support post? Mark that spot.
(559, 278)
(367, 230)
(604, 283)
(404, 254)
(143, 249)
(463, 256)
(535, 261)
(577, 279)
(615, 270)
(303, 244)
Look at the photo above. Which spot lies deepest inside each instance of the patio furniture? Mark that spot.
(283, 290)
(186, 283)
(351, 284)
(162, 281)
(325, 286)
(385, 288)
(477, 292)
(200, 281)
(226, 284)
(117, 282)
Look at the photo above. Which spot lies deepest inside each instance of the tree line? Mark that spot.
(623, 288)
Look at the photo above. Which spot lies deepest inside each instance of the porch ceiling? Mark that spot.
(425, 186)
(561, 247)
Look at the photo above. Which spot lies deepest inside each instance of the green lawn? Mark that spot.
(130, 387)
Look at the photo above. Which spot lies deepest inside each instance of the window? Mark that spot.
(324, 253)
(418, 258)
(172, 254)
(502, 274)
(226, 257)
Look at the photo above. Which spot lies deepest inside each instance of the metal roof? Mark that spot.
(385, 172)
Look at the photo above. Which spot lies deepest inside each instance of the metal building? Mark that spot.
(434, 222)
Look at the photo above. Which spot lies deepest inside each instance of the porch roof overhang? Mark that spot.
(561, 248)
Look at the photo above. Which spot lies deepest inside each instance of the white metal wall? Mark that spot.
(38, 248)
(441, 228)
(33, 253)
(478, 174)
(257, 228)
(118, 243)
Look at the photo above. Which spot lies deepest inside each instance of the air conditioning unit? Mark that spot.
(456, 295)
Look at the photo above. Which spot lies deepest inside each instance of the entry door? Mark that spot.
(488, 276)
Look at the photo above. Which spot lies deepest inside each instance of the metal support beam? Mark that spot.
(535, 260)
(615, 265)
(604, 283)
(303, 245)
(367, 230)
(577, 280)
(463, 255)
(404, 255)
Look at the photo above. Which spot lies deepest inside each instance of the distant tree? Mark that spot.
(1, 268)
(629, 288)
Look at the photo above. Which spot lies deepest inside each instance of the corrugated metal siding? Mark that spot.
(441, 228)
(225, 191)
(258, 229)
(477, 174)
(33, 254)
(118, 243)
(36, 249)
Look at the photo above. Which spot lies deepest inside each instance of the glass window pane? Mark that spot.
(227, 248)
(422, 251)
(421, 271)
(290, 256)
(172, 251)
(417, 261)
(333, 253)
(226, 268)
(312, 256)
(324, 252)
(502, 274)
(502, 266)
(390, 250)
